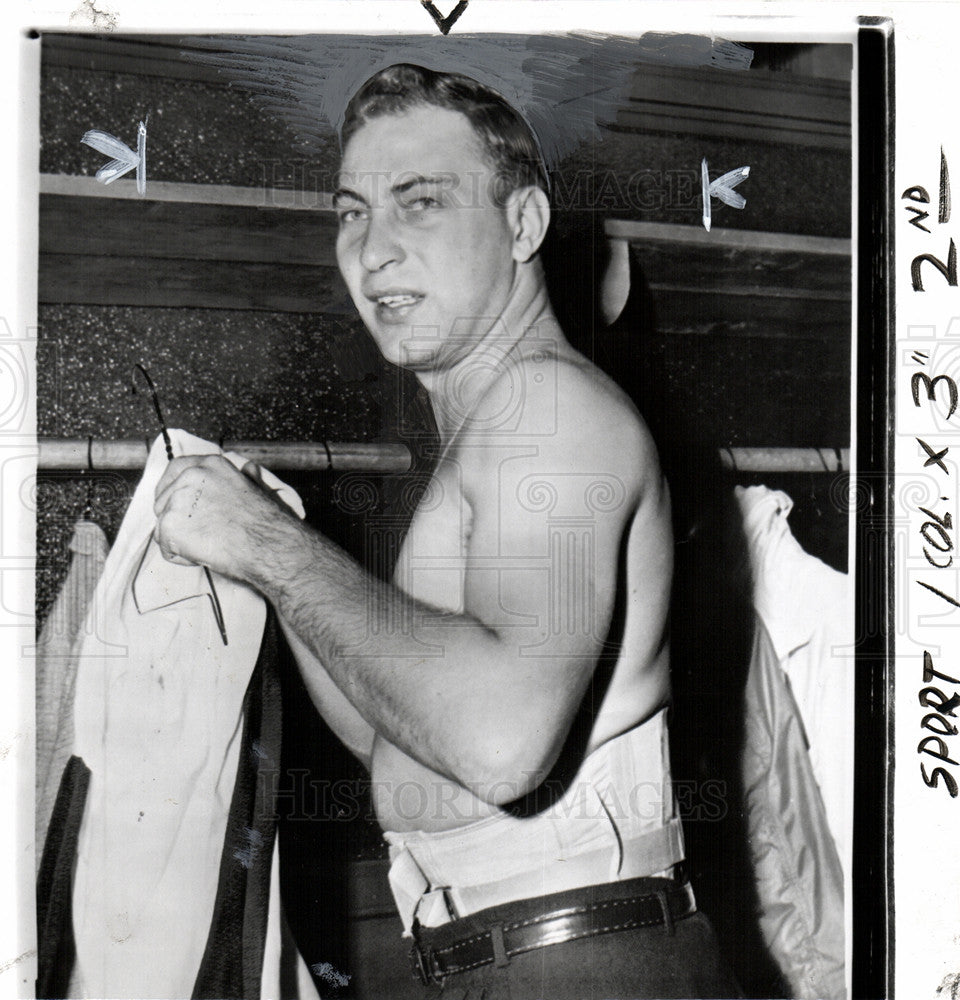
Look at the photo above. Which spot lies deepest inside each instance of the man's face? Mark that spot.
(424, 250)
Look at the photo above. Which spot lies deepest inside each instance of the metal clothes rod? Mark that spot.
(78, 454)
(71, 454)
(786, 459)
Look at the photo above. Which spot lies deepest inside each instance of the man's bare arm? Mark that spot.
(484, 697)
(353, 730)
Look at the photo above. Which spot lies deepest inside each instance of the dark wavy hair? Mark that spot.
(505, 138)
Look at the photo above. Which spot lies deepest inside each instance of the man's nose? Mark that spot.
(381, 244)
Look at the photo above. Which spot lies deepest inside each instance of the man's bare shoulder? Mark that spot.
(567, 414)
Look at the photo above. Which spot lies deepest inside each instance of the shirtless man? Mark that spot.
(508, 689)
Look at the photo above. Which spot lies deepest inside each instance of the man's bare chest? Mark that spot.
(433, 559)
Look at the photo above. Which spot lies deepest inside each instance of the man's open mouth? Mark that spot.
(398, 301)
(394, 306)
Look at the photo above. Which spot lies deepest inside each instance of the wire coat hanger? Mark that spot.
(168, 446)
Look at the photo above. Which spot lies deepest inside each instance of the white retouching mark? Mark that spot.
(324, 970)
(124, 158)
(246, 855)
(94, 16)
(721, 188)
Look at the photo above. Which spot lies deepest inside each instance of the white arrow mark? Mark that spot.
(721, 188)
(124, 158)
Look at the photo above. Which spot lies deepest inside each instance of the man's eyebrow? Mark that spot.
(401, 187)
(345, 193)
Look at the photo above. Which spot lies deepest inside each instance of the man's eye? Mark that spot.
(422, 203)
(351, 215)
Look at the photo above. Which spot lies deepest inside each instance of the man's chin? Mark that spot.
(419, 348)
(408, 347)
(402, 354)
(416, 359)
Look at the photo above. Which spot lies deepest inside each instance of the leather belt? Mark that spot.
(496, 935)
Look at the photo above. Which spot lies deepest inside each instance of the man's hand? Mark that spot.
(212, 514)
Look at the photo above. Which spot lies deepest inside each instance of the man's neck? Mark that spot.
(527, 316)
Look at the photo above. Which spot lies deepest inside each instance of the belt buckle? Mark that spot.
(425, 964)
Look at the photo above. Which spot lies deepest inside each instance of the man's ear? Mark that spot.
(528, 212)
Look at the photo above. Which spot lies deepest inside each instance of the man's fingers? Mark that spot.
(203, 504)
(188, 472)
(167, 552)
(175, 467)
(162, 499)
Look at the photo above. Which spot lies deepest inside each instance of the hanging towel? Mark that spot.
(160, 730)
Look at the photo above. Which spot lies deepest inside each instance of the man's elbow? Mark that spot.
(506, 769)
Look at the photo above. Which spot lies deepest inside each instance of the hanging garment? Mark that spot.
(57, 665)
(798, 759)
(249, 952)
(796, 868)
(56, 949)
(233, 960)
(807, 608)
(161, 731)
